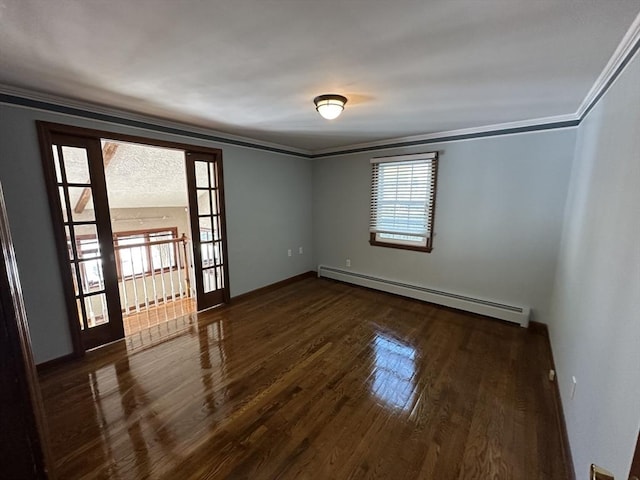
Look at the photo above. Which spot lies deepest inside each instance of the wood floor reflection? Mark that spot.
(316, 380)
(154, 315)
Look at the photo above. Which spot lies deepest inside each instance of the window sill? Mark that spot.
(415, 248)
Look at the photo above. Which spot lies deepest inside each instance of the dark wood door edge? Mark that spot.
(539, 328)
(274, 286)
(635, 464)
(24, 410)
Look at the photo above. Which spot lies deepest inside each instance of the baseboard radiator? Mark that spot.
(510, 313)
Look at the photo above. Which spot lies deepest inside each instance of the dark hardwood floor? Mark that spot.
(316, 380)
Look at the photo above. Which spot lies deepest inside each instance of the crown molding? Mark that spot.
(79, 108)
(625, 51)
(509, 128)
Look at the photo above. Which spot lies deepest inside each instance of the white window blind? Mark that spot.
(403, 195)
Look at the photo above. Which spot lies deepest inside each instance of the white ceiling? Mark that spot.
(137, 176)
(140, 176)
(252, 67)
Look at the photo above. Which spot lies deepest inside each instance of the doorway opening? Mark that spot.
(140, 229)
(149, 212)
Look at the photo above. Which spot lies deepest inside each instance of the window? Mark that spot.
(90, 263)
(403, 194)
(141, 252)
(209, 249)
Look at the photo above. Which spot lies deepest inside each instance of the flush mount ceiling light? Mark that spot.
(330, 106)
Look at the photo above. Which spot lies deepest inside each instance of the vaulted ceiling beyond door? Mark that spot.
(252, 67)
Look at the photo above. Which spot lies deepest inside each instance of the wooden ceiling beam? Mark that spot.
(108, 152)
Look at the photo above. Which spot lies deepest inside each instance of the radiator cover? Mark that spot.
(502, 311)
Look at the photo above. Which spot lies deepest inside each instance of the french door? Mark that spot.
(75, 170)
(206, 207)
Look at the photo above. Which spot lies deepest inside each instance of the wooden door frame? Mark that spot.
(30, 436)
(45, 131)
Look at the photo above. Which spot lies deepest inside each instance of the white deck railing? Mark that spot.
(164, 278)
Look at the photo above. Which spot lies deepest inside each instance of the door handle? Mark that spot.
(598, 473)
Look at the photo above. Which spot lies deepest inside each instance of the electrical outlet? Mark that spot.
(289, 252)
(300, 250)
(573, 386)
(348, 262)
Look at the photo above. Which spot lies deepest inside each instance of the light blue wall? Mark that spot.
(595, 324)
(498, 218)
(268, 201)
